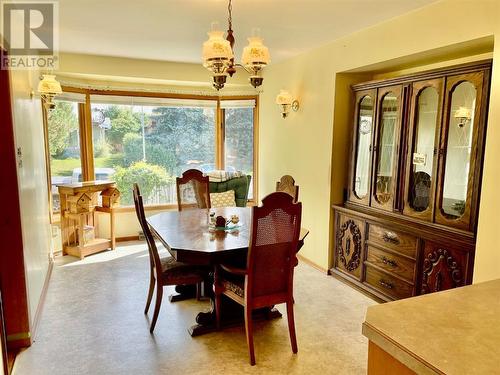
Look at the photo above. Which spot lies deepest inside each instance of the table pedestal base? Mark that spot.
(183, 292)
(232, 315)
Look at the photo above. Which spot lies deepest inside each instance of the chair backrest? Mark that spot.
(273, 245)
(287, 185)
(192, 190)
(154, 257)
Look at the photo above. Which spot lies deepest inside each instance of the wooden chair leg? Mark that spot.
(218, 298)
(159, 296)
(152, 283)
(291, 325)
(249, 331)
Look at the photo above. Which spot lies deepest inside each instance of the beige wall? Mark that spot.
(32, 181)
(302, 144)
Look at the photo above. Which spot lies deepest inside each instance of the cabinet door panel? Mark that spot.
(387, 147)
(444, 267)
(458, 149)
(349, 245)
(423, 139)
(362, 147)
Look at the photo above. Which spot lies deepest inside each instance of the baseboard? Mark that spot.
(357, 286)
(41, 303)
(312, 264)
(127, 238)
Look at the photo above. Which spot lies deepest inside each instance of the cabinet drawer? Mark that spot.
(387, 284)
(390, 239)
(392, 263)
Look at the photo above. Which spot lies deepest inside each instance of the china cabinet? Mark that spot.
(408, 225)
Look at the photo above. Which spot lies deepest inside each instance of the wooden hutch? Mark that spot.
(408, 225)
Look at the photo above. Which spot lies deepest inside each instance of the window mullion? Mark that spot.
(87, 150)
(256, 150)
(219, 160)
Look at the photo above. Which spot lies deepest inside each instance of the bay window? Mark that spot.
(147, 139)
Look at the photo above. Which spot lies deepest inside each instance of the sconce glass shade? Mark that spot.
(49, 86)
(216, 50)
(255, 54)
(284, 98)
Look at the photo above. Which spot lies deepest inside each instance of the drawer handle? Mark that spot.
(390, 262)
(390, 237)
(385, 284)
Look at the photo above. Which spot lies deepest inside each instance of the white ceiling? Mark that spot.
(174, 30)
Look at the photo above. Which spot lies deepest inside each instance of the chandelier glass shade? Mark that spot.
(218, 56)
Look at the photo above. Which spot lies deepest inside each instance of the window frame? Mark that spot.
(87, 147)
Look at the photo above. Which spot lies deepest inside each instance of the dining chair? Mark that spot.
(193, 190)
(164, 270)
(287, 185)
(267, 279)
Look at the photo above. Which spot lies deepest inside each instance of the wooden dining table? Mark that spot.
(186, 235)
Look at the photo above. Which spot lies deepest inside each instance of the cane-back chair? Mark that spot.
(164, 270)
(267, 279)
(193, 190)
(287, 185)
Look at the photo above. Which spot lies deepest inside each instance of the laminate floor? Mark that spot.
(93, 323)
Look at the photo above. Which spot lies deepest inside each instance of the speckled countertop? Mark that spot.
(452, 332)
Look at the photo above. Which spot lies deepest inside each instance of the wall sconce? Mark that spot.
(49, 88)
(463, 114)
(286, 102)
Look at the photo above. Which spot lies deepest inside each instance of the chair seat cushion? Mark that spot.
(235, 284)
(174, 270)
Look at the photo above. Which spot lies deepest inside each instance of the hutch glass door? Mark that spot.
(363, 146)
(425, 117)
(459, 146)
(386, 148)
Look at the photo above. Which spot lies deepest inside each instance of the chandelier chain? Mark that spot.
(230, 18)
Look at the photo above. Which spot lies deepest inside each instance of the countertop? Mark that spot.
(452, 332)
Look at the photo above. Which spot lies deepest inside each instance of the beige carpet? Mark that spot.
(93, 323)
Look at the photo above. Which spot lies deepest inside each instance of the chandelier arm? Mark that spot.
(244, 67)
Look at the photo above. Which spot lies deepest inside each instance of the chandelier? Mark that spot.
(218, 55)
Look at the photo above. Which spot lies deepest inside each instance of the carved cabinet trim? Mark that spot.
(443, 268)
(349, 245)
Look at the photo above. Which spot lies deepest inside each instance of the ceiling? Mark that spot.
(174, 30)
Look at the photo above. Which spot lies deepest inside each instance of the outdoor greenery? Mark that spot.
(239, 139)
(123, 121)
(63, 121)
(149, 177)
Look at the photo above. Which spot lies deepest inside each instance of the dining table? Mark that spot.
(188, 238)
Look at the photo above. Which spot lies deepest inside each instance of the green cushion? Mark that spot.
(240, 185)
